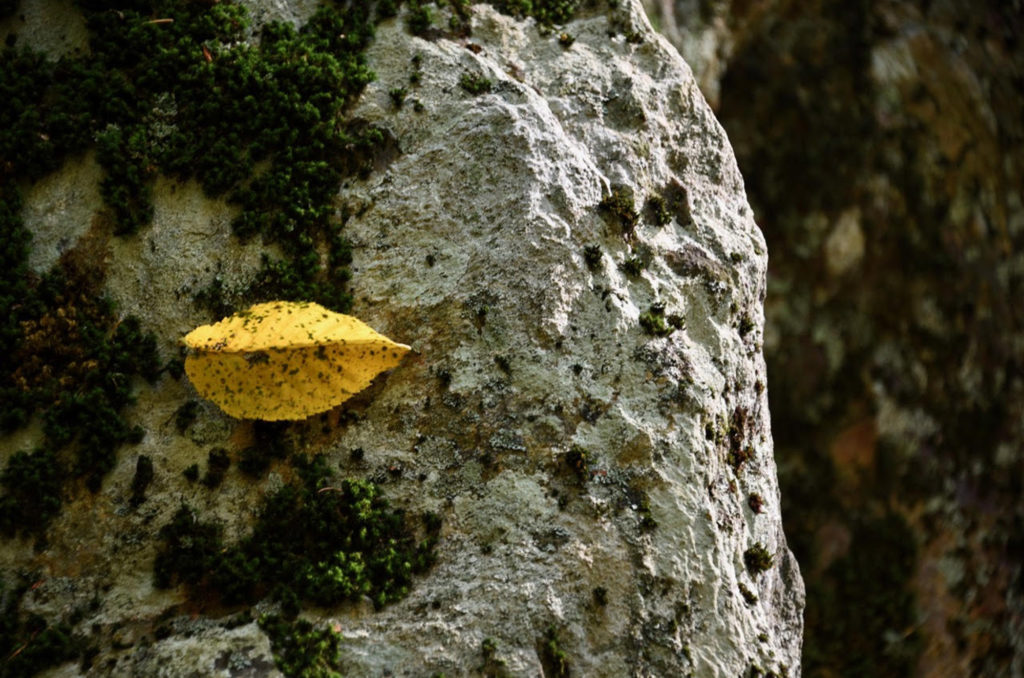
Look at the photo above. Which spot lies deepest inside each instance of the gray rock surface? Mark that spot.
(469, 245)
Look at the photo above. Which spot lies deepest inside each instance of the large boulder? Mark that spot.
(557, 226)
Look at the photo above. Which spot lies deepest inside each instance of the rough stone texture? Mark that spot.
(54, 27)
(882, 145)
(59, 210)
(469, 246)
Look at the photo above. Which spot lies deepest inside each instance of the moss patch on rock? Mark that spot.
(313, 541)
(28, 644)
(546, 12)
(302, 650)
(68, 358)
(174, 88)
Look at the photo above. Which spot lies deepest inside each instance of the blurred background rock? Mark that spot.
(881, 145)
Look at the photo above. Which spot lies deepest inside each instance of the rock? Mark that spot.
(53, 27)
(242, 652)
(595, 479)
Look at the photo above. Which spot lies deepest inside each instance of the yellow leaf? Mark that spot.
(286, 360)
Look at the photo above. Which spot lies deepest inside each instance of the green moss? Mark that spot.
(25, 77)
(217, 464)
(397, 96)
(127, 187)
(301, 650)
(633, 266)
(757, 559)
(191, 98)
(32, 487)
(475, 84)
(262, 125)
(64, 352)
(592, 257)
(553, 658)
(15, 285)
(493, 666)
(655, 323)
(578, 461)
(421, 18)
(69, 358)
(185, 415)
(546, 12)
(387, 9)
(618, 206)
(647, 521)
(190, 548)
(312, 541)
(270, 443)
(28, 644)
(141, 480)
(659, 211)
